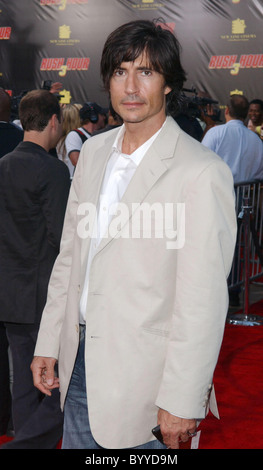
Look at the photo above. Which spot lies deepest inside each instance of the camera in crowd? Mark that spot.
(46, 85)
(195, 105)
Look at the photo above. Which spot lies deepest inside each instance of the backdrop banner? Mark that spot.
(62, 40)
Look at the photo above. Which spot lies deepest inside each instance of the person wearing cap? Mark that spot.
(93, 118)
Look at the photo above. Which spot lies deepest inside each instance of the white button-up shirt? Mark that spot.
(119, 172)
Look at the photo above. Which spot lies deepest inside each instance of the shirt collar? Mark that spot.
(236, 121)
(139, 153)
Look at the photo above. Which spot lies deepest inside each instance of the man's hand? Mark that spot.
(56, 87)
(44, 375)
(175, 429)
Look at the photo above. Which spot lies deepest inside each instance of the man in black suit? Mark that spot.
(10, 136)
(34, 189)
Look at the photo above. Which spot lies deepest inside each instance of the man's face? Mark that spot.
(137, 92)
(255, 114)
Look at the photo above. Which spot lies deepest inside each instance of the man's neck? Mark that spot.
(36, 138)
(136, 134)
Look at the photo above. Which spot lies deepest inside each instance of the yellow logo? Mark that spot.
(238, 32)
(238, 26)
(64, 32)
(63, 5)
(236, 92)
(65, 97)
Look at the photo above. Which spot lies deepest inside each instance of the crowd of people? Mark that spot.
(141, 311)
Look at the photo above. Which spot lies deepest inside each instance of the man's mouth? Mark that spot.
(132, 104)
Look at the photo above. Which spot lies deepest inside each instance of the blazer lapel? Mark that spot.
(151, 168)
(92, 194)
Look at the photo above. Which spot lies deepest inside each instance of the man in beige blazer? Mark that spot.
(138, 296)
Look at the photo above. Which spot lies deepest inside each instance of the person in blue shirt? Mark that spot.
(237, 145)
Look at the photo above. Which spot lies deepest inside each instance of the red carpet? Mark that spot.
(239, 389)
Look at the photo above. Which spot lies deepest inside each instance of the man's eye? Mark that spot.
(147, 73)
(119, 72)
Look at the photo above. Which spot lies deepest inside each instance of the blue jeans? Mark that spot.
(76, 432)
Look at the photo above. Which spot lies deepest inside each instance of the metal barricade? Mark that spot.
(248, 259)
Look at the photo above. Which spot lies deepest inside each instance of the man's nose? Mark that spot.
(131, 84)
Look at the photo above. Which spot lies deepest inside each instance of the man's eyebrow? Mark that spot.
(140, 67)
(145, 67)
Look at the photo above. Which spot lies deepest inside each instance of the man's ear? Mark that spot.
(167, 89)
(53, 121)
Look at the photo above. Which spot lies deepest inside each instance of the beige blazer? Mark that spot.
(155, 315)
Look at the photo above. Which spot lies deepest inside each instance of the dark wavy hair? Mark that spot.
(36, 109)
(163, 50)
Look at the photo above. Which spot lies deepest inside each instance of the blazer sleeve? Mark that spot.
(52, 318)
(201, 300)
